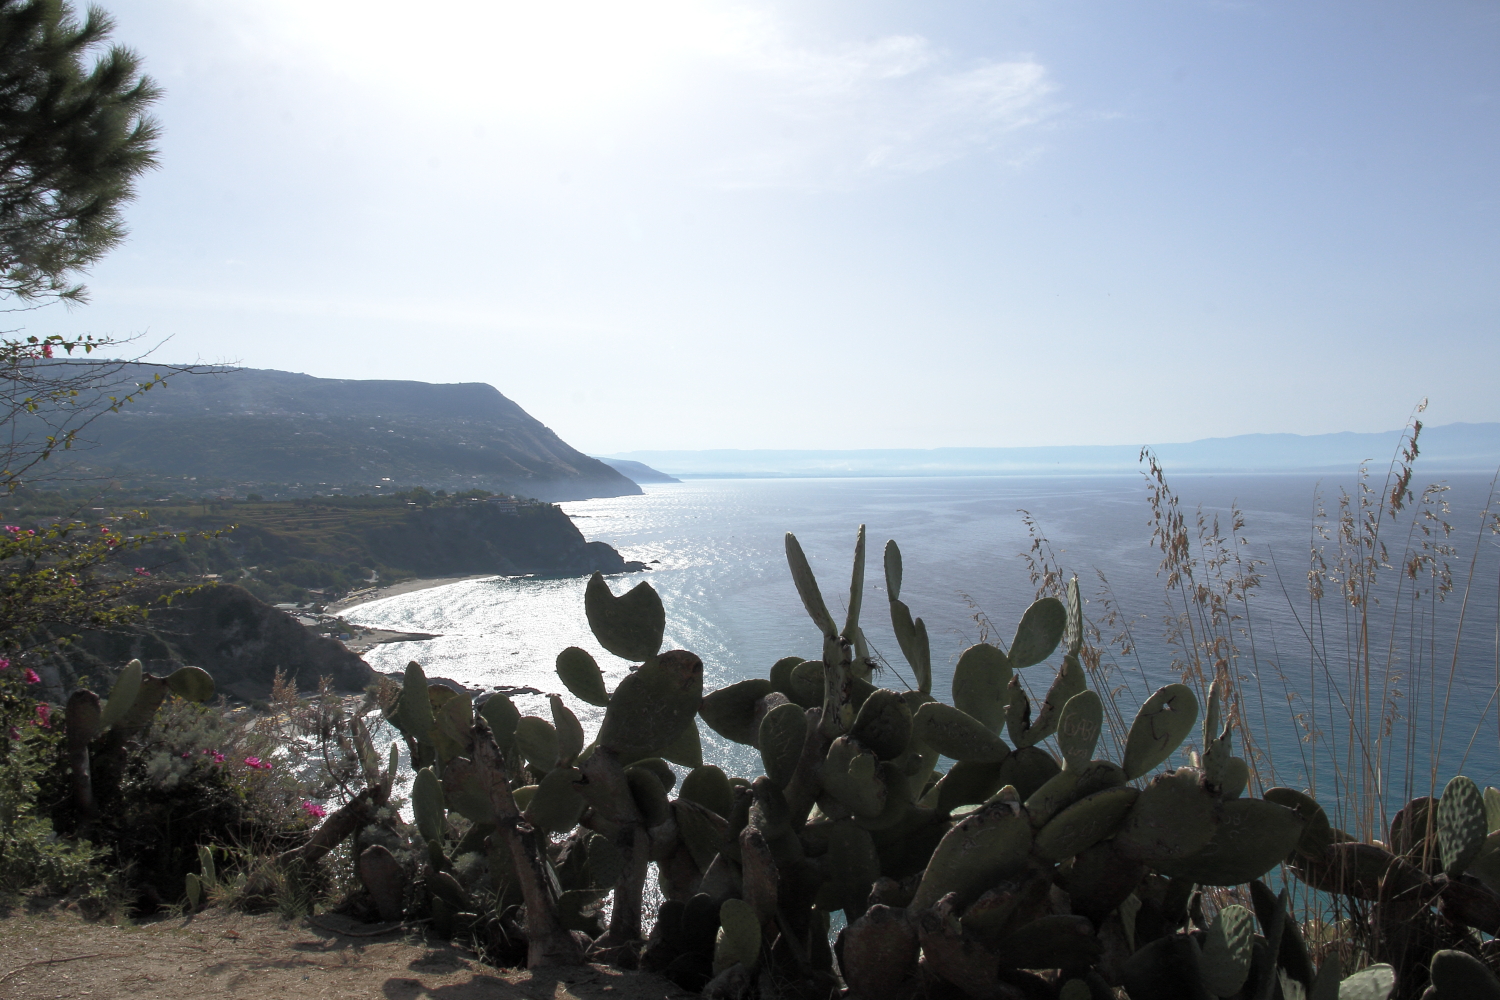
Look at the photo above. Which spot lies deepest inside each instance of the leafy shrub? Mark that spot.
(32, 856)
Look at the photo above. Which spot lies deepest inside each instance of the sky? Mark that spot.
(671, 224)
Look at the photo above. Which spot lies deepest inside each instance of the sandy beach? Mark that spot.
(404, 587)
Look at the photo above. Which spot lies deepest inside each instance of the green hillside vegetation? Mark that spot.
(284, 435)
(319, 549)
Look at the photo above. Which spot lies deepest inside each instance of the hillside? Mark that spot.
(321, 549)
(285, 550)
(280, 433)
(638, 472)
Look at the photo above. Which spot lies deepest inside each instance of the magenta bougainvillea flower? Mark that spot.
(313, 809)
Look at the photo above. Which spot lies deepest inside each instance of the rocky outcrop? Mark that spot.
(225, 630)
(478, 538)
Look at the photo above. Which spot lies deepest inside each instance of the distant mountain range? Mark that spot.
(638, 472)
(291, 434)
(1450, 448)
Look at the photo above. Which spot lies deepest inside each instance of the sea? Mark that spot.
(715, 552)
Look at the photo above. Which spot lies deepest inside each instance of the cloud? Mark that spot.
(899, 105)
(726, 94)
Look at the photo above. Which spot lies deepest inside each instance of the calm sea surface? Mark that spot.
(716, 551)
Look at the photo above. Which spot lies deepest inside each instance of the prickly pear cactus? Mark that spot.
(967, 844)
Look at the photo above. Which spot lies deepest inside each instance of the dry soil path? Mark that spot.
(57, 956)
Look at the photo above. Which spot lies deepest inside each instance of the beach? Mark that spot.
(359, 597)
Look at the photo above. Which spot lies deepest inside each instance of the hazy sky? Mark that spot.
(675, 224)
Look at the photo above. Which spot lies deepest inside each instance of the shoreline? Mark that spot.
(397, 589)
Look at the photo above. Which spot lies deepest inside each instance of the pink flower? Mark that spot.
(44, 712)
(46, 350)
(104, 530)
(265, 766)
(15, 733)
(4, 663)
(31, 677)
(14, 529)
(218, 757)
(185, 756)
(313, 809)
(142, 571)
(252, 762)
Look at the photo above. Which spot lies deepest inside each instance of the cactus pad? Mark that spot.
(452, 725)
(384, 879)
(122, 695)
(649, 795)
(556, 806)
(1028, 769)
(701, 830)
(413, 711)
(580, 674)
(1068, 683)
(191, 683)
(730, 711)
(911, 636)
(967, 783)
(1461, 827)
(807, 587)
(501, 715)
(1078, 728)
(1318, 833)
(738, 940)
(569, 730)
(856, 587)
(884, 724)
(892, 570)
(466, 792)
(852, 866)
(980, 684)
(879, 953)
(1253, 837)
(849, 775)
(781, 673)
(1163, 722)
(427, 805)
(807, 684)
(1039, 632)
(782, 733)
(708, 786)
(1226, 950)
(1457, 975)
(660, 768)
(686, 748)
(1060, 791)
(631, 625)
(1173, 818)
(538, 742)
(652, 705)
(1486, 865)
(957, 734)
(1073, 634)
(1084, 823)
(985, 847)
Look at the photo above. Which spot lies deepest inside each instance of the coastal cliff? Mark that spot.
(237, 638)
(320, 549)
(283, 434)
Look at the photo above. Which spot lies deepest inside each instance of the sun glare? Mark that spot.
(537, 60)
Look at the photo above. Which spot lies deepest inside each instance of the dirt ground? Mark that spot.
(57, 955)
